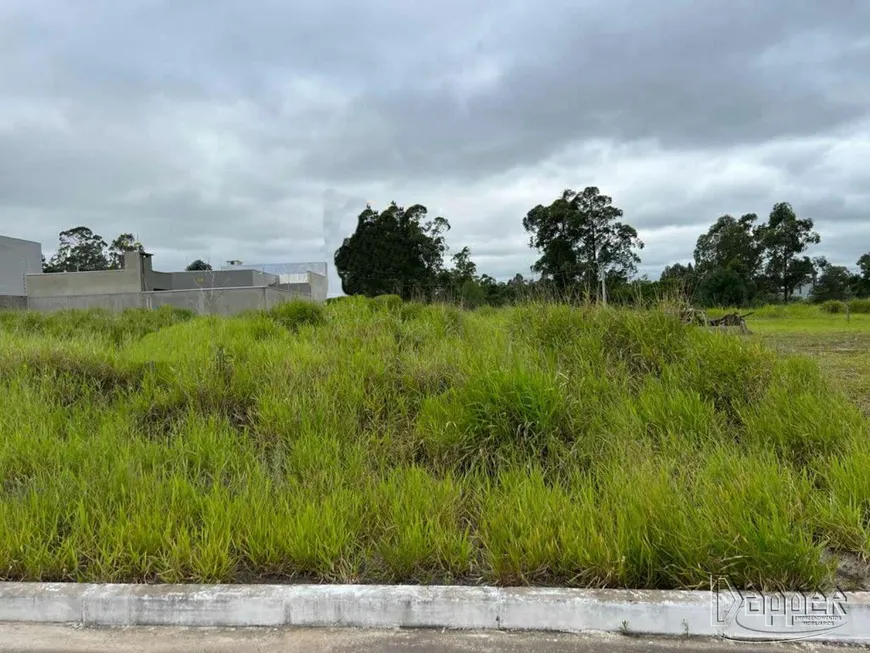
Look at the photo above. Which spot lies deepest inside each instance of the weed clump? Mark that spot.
(834, 306)
(385, 303)
(859, 305)
(73, 377)
(723, 369)
(115, 328)
(298, 313)
(494, 419)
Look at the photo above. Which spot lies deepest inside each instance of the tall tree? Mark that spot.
(462, 278)
(728, 259)
(48, 266)
(725, 287)
(79, 250)
(679, 278)
(198, 266)
(783, 238)
(451, 281)
(864, 275)
(834, 282)
(463, 267)
(395, 251)
(120, 246)
(730, 243)
(580, 237)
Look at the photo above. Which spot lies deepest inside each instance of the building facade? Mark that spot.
(138, 285)
(293, 276)
(18, 258)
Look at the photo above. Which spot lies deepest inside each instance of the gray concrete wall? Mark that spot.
(158, 281)
(319, 286)
(136, 275)
(275, 296)
(221, 279)
(17, 259)
(150, 279)
(219, 301)
(111, 302)
(303, 289)
(13, 302)
(72, 284)
(99, 282)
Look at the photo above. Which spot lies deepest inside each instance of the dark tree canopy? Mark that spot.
(834, 282)
(724, 287)
(198, 266)
(121, 245)
(580, 237)
(783, 238)
(464, 268)
(728, 260)
(730, 244)
(679, 277)
(396, 251)
(461, 282)
(79, 250)
(863, 282)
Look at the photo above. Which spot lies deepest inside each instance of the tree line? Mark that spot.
(586, 251)
(81, 250)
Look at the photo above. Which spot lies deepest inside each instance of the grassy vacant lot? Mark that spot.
(376, 441)
(839, 343)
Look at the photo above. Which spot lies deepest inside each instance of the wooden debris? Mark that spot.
(698, 317)
(733, 321)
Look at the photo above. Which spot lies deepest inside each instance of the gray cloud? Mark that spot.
(689, 74)
(259, 130)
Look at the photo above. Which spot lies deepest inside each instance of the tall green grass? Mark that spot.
(381, 441)
(799, 310)
(861, 306)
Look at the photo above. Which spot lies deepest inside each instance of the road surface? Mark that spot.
(30, 638)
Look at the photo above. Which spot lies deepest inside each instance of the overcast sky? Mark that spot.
(258, 130)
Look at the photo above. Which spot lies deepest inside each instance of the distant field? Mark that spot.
(839, 343)
(376, 441)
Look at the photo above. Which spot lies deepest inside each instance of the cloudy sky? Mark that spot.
(258, 130)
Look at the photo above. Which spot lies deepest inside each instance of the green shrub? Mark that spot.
(298, 313)
(117, 328)
(263, 328)
(801, 427)
(859, 305)
(644, 341)
(411, 311)
(726, 370)
(386, 302)
(834, 306)
(495, 418)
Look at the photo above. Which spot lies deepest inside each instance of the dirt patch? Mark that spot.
(853, 572)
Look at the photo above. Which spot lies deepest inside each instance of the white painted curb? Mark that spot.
(651, 612)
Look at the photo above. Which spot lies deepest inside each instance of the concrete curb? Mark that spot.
(651, 612)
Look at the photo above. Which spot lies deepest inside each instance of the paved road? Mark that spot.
(70, 639)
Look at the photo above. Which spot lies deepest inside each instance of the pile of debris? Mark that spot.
(733, 321)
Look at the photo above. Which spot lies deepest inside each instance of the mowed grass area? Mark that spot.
(839, 343)
(376, 441)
